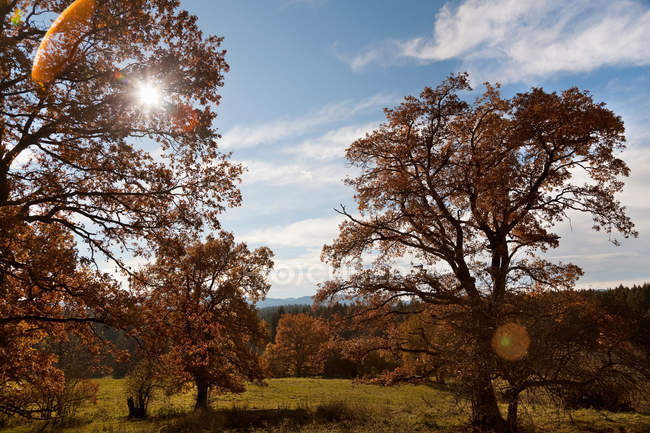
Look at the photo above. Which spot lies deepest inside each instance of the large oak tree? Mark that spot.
(89, 174)
(471, 193)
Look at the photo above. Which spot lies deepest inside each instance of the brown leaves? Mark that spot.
(457, 203)
(197, 317)
(83, 132)
(299, 348)
(86, 175)
(474, 186)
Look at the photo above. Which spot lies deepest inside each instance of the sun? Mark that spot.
(149, 95)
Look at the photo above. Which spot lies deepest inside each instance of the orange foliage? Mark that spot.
(299, 346)
(197, 313)
(76, 186)
(59, 46)
(470, 192)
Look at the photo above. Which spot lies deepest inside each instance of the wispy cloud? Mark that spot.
(332, 144)
(310, 233)
(272, 173)
(247, 136)
(520, 39)
(298, 275)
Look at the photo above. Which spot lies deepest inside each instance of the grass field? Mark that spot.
(320, 405)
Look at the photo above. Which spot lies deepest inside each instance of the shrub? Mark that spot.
(612, 396)
(61, 405)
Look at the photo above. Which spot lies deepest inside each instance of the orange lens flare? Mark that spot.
(510, 341)
(16, 18)
(59, 46)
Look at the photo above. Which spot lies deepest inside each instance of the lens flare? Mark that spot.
(120, 77)
(16, 18)
(149, 95)
(59, 46)
(510, 341)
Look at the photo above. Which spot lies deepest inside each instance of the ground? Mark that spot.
(321, 405)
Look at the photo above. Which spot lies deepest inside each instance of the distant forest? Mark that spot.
(631, 302)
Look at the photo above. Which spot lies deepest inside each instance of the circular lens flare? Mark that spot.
(511, 341)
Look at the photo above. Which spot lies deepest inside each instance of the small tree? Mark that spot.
(141, 383)
(425, 341)
(298, 347)
(198, 316)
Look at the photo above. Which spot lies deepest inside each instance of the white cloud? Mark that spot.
(528, 38)
(246, 136)
(362, 60)
(604, 264)
(331, 145)
(309, 233)
(612, 283)
(636, 194)
(24, 159)
(298, 275)
(292, 174)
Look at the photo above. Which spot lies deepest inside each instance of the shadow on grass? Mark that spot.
(239, 418)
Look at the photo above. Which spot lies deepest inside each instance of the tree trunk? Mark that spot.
(138, 412)
(485, 411)
(440, 376)
(299, 368)
(512, 414)
(486, 416)
(201, 395)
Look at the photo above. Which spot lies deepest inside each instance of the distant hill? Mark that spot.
(274, 302)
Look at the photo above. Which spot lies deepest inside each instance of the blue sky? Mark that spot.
(308, 77)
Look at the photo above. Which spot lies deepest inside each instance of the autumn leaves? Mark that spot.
(81, 199)
(469, 193)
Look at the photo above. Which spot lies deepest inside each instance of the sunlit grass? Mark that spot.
(322, 405)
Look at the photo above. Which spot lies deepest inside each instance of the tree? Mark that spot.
(48, 295)
(88, 173)
(198, 315)
(471, 192)
(299, 344)
(142, 381)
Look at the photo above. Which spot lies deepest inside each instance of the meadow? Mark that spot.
(319, 405)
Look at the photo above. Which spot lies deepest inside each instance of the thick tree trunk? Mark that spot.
(512, 414)
(201, 395)
(485, 411)
(486, 416)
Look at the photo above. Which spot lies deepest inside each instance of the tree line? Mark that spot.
(310, 341)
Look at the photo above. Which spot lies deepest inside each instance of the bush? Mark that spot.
(612, 396)
(61, 406)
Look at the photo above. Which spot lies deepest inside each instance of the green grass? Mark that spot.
(320, 405)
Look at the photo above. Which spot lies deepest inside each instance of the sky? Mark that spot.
(308, 77)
